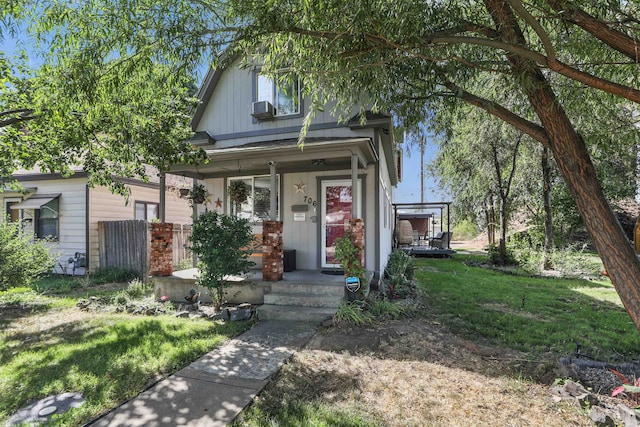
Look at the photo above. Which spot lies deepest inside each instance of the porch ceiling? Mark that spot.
(318, 154)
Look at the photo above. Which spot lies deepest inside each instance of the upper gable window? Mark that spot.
(284, 95)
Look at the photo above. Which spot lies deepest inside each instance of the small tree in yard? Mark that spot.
(221, 243)
(21, 260)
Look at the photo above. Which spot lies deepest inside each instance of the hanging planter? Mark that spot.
(238, 193)
(198, 194)
(184, 192)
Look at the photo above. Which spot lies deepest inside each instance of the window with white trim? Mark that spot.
(283, 94)
(256, 207)
(147, 211)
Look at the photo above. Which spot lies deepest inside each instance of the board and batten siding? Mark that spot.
(72, 213)
(106, 206)
(229, 113)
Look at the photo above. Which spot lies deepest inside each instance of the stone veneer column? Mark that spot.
(161, 258)
(356, 226)
(272, 251)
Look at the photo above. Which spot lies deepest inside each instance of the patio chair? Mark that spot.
(441, 241)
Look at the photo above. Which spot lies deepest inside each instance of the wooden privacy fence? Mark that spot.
(126, 244)
(181, 234)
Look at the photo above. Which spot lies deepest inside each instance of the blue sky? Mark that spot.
(408, 191)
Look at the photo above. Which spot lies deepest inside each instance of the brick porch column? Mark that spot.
(161, 256)
(272, 251)
(356, 226)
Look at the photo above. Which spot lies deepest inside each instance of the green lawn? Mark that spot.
(532, 314)
(107, 357)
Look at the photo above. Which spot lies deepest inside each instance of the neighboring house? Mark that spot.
(67, 211)
(249, 127)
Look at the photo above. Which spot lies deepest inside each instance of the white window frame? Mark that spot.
(253, 218)
(275, 92)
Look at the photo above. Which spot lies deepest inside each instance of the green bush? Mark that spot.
(221, 243)
(113, 275)
(22, 260)
(138, 289)
(465, 230)
(400, 263)
(353, 312)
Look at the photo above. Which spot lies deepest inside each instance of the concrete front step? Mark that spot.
(303, 300)
(308, 288)
(288, 312)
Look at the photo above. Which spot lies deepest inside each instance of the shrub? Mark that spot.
(113, 275)
(138, 289)
(221, 243)
(353, 312)
(386, 308)
(465, 230)
(21, 260)
(398, 273)
(400, 263)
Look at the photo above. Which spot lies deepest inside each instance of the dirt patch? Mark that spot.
(414, 372)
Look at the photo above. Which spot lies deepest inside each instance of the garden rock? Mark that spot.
(628, 416)
(182, 314)
(600, 417)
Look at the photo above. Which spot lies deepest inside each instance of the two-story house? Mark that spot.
(249, 126)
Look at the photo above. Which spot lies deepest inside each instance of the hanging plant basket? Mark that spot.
(184, 192)
(238, 192)
(198, 194)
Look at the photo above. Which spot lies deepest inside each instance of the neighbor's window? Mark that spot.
(147, 211)
(283, 95)
(256, 207)
(11, 215)
(46, 220)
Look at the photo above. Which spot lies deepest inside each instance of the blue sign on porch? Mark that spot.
(352, 284)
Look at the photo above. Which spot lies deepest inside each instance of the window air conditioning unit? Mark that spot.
(262, 110)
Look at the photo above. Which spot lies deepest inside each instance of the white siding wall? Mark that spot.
(386, 225)
(304, 236)
(106, 206)
(72, 219)
(229, 112)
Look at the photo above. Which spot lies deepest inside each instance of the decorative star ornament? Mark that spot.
(300, 187)
(218, 203)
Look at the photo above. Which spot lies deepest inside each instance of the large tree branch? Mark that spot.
(627, 45)
(559, 67)
(532, 129)
(20, 115)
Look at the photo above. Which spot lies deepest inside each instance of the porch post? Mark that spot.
(273, 192)
(354, 186)
(163, 196)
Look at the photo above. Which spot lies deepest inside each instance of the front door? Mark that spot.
(336, 214)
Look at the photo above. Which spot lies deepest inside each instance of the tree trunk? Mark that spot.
(502, 250)
(548, 215)
(570, 153)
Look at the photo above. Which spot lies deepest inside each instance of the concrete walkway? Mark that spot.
(215, 388)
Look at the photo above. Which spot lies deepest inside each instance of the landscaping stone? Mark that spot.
(183, 314)
(628, 416)
(40, 412)
(600, 417)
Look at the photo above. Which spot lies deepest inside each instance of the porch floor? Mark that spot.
(296, 276)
